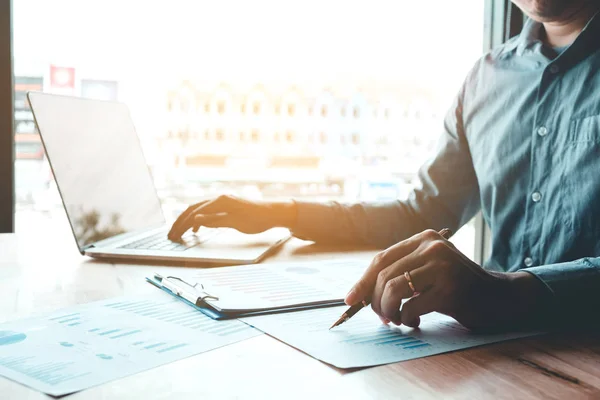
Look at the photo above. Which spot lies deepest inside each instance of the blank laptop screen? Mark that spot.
(98, 165)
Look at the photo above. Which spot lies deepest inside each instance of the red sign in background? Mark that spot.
(62, 77)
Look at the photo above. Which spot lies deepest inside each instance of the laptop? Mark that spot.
(109, 195)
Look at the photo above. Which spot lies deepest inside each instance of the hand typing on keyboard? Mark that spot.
(231, 212)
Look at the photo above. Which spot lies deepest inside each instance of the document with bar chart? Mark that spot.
(95, 343)
(364, 341)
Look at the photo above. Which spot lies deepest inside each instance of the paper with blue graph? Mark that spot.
(95, 343)
(364, 341)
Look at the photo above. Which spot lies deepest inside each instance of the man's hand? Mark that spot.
(231, 212)
(449, 283)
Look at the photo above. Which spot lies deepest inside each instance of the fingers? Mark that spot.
(432, 250)
(187, 219)
(364, 287)
(419, 305)
(173, 233)
(398, 289)
(392, 279)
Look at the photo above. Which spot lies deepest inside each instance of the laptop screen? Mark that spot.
(98, 165)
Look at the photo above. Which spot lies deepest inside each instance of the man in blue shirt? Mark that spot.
(521, 143)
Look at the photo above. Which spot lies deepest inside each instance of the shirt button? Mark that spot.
(536, 197)
(542, 131)
(528, 262)
(554, 69)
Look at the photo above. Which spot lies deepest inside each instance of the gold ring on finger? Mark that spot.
(410, 283)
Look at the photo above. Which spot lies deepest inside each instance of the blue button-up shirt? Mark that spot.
(521, 143)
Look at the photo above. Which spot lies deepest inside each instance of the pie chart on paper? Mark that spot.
(9, 337)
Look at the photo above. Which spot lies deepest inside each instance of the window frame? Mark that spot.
(7, 148)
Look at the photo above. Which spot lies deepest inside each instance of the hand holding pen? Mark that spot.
(356, 307)
(376, 270)
(429, 273)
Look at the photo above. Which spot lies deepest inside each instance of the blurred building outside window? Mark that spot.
(262, 99)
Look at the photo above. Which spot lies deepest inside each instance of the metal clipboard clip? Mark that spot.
(195, 293)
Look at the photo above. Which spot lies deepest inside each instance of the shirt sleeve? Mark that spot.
(446, 196)
(575, 285)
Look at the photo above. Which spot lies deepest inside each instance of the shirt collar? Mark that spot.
(531, 34)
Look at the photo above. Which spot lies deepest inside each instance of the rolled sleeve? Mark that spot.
(575, 285)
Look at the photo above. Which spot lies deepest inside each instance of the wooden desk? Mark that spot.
(55, 276)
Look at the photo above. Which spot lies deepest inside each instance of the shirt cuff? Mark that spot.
(575, 284)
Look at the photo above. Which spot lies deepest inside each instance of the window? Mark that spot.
(324, 111)
(289, 136)
(323, 137)
(170, 78)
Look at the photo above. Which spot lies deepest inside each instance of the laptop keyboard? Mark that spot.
(159, 241)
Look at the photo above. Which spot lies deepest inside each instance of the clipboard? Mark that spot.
(197, 297)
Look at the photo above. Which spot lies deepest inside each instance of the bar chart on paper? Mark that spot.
(364, 341)
(98, 342)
